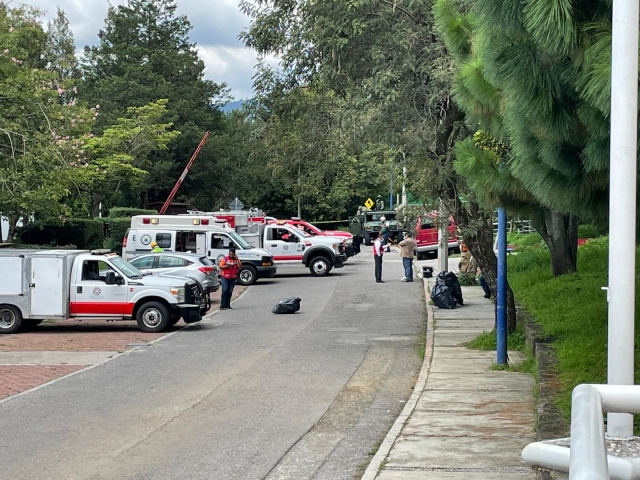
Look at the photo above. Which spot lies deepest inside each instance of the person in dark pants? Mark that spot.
(484, 284)
(229, 266)
(377, 257)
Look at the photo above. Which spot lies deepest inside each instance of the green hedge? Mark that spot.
(127, 212)
(115, 230)
(84, 234)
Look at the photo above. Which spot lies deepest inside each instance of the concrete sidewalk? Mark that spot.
(464, 420)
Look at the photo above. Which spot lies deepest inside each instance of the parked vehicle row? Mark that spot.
(157, 289)
(58, 284)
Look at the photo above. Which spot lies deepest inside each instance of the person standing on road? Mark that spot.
(407, 249)
(229, 266)
(377, 257)
(155, 248)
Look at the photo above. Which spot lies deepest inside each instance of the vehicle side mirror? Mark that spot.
(110, 277)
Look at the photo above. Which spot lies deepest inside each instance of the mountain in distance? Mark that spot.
(235, 105)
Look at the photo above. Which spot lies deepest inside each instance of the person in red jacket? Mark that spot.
(229, 266)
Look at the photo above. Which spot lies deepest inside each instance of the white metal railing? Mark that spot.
(587, 458)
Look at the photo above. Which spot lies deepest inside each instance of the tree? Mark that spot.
(36, 128)
(119, 158)
(386, 59)
(524, 83)
(145, 54)
(60, 52)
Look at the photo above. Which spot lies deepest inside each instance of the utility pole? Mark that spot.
(404, 185)
(623, 172)
(501, 297)
(299, 192)
(443, 239)
(391, 189)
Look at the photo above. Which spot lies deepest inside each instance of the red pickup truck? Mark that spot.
(427, 235)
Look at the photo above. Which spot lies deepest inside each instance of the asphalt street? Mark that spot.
(245, 395)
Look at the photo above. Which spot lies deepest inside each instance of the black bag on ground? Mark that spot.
(441, 296)
(287, 305)
(451, 281)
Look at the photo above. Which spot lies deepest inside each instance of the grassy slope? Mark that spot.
(571, 308)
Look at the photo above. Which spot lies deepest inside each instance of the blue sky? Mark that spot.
(216, 26)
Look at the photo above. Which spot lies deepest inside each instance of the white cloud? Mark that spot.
(233, 65)
(216, 26)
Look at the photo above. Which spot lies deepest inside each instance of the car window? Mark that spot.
(206, 261)
(94, 270)
(142, 262)
(163, 240)
(166, 261)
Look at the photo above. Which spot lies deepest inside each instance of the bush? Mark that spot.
(588, 231)
(116, 229)
(126, 212)
(467, 279)
(84, 234)
(525, 239)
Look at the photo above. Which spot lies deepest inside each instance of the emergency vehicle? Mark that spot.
(288, 244)
(56, 284)
(349, 248)
(199, 233)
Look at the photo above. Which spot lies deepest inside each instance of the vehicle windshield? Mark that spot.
(239, 241)
(299, 231)
(315, 227)
(376, 216)
(125, 267)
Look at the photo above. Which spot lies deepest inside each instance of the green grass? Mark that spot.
(572, 310)
(487, 341)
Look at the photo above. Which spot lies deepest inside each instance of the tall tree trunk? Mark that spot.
(560, 233)
(13, 221)
(1, 236)
(477, 233)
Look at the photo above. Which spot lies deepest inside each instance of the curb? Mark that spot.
(389, 440)
(206, 318)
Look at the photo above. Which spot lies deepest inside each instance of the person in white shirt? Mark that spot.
(377, 257)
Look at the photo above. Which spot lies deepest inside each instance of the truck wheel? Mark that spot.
(319, 266)
(10, 319)
(367, 239)
(153, 317)
(247, 275)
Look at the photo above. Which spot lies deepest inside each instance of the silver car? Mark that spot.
(190, 265)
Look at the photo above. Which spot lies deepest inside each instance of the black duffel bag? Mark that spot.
(287, 305)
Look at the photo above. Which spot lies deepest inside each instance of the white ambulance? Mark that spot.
(202, 234)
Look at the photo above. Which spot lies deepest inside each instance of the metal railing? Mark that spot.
(587, 458)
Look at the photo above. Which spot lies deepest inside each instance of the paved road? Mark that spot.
(246, 395)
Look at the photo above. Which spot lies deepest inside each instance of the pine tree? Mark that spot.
(144, 54)
(60, 53)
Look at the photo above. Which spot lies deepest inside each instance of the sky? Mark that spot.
(216, 26)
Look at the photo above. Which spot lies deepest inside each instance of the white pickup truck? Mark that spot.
(55, 284)
(290, 245)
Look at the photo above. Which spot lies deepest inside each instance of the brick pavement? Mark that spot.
(72, 336)
(19, 378)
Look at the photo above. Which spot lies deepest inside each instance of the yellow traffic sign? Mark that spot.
(368, 203)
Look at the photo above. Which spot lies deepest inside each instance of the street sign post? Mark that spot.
(236, 204)
(368, 203)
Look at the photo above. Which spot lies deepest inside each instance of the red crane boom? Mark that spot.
(176, 187)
